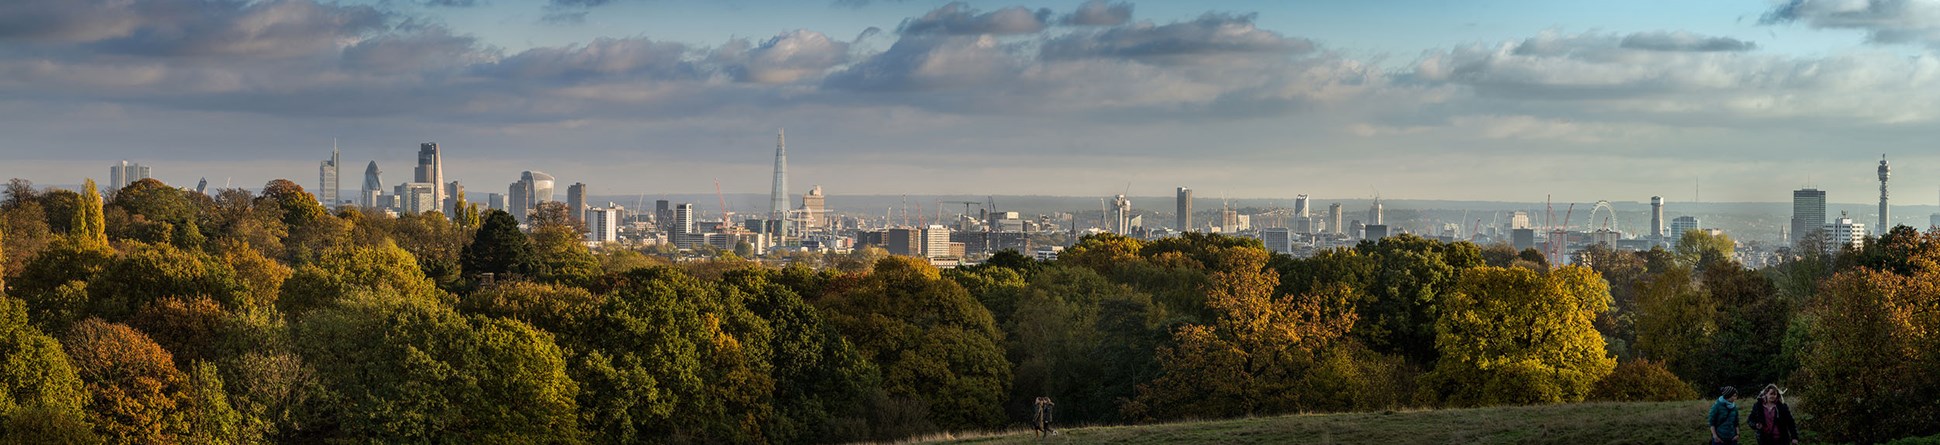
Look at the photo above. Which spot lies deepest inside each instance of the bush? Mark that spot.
(1642, 381)
(1928, 440)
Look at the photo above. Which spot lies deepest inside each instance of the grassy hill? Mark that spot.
(1584, 423)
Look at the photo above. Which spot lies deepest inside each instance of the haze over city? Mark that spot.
(1507, 101)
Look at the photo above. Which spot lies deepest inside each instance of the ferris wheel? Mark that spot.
(1608, 219)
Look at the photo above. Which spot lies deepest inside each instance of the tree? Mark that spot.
(1641, 381)
(559, 244)
(499, 248)
(1698, 248)
(88, 227)
(297, 207)
(1675, 321)
(212, 420)
(1517, 336)
(54, 283)
(384, 273)
(146, 273)
(136, 394)
(416, 372)
(1081, 339)
(38, 383)
(27, 234)
(936, 345)
(1872, 370)
(823, 388)
(1260, 354)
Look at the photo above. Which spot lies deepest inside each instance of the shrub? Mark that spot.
(1642, 381)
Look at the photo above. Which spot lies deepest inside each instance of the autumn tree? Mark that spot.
(145, 273)
(135, 393)
(1517, 336)
(54, 283)
(1641, 381)
(88, 226)
(499, 248)
(357, 272)
(559, 244)
(1872, 370)
(936, 345)
(1260, 354)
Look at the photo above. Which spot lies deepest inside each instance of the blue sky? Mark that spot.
(1493, 100)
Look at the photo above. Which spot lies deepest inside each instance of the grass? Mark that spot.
(1582, 423)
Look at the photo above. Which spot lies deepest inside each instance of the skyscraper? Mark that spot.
(1843, 233)
(683, 234)
(1122, 218)
(327, 184)
(1808, 213)
(1885, 214)
(534, 187)
(1300, 209)
(1375, 215)
(453, 193)
(576, 202)
(1335, 212)
(778, 198)
(663, 215)
(1683, 224)
(1657, 217)
(1185, 209)
(814, 205)
(373, 187)
(120, 175)
(603, 224)
(431, 170)
(516, 198)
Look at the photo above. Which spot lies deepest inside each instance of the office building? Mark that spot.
(1657, 217)
(813, 209)
(1376, 231)
(1277, 240)
(1335, 215)
(1520, 220)
(683, 234)
(533, 188)
(368, 197)
(576, 202)
(327, 184)
(1375, 215)
(1844, 233)
(1302, 214)
(495, 201)
(454, 194)
(1808, 213)
(936, 242)
(1522, 238)
(431, 170)
(1683, 224)
(903, 241)
(417, 197)
(124, 173)
(1121, 215)
(1185, 209)
(603, 224)
(663, 216)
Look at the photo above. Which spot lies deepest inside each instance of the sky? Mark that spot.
(1477, 100)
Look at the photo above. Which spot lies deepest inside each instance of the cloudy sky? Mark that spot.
(1489, 100)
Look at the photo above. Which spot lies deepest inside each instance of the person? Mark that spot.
(1041, 421)
(1772, 419)
(1724, 417)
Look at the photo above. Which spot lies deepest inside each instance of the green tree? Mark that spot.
(145, 273)
(417, 373)
(1698, 248)
(54, 283)
(1517, 336)
(559, 244)
(88, 226)
(1872, 369)
(27, 234)
(823, 388)
(936, 345)
(212, 420)
(136, 394)
(1675, 321)
(297, 207)
(1082, 340)
(499, 248)
(38, 383)
(352, 273)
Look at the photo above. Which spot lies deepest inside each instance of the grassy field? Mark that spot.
(1584, 423)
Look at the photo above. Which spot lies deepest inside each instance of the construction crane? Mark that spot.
(965, 224)
(1475, 230)
(726, 221)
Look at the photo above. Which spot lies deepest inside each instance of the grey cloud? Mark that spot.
(430, 48)
(928, 63)
(1099, 13)
(452, 3)
(1209, 35)
(1884, 21)
(603, 58)
(71, 21)
(564, 18)
(193, 28)
(1684, 41)
(578, 3)
(957, 18)
(787, 58)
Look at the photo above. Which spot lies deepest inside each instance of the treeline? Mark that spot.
(156, 315)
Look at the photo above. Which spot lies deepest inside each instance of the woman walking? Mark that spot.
(1772, 419)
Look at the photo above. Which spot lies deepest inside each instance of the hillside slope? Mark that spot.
(1584, 423)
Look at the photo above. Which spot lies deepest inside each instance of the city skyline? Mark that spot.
(1481, 101)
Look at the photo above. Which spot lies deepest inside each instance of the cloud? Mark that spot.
(927, 63)
(1181, 42)
(957, 18)
(604, 58)
(452, 3)
(1884, 21)
(1099, 13)
(1684, 41)
(791, 57)
(191, 28)
(564, 18)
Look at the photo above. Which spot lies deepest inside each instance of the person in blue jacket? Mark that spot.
(1724, 417)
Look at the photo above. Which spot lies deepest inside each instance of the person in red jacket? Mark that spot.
(1772, 419)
